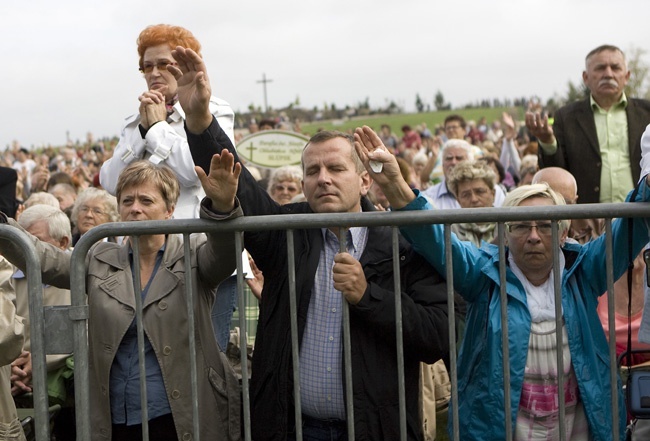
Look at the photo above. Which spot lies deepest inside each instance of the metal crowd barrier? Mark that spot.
(77, 313)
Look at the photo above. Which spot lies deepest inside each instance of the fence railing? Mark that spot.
(77, 313)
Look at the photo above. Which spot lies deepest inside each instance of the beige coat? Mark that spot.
(111, 300)
(11, 343)
(52, 296)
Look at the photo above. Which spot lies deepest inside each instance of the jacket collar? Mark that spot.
(164, 283)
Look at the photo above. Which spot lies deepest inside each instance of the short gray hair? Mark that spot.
(109, 201)
(57, 221)
(458, 144)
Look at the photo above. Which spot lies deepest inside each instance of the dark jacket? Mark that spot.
(372, 321)
(578, 150)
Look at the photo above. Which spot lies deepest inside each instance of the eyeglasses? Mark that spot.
(160, 65)
(96, 211)
(479, 192)
(454, 127)
(449, 158)
(524, 229)
(290, 188)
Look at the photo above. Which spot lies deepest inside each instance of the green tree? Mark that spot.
(419, 105)
(639, 84)
(439, 101)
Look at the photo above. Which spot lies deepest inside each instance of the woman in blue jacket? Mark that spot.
(530, 312)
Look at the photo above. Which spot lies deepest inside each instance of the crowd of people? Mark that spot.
(176, 158)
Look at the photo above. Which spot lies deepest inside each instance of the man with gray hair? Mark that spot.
(453, 152)
(49, 225)
(597, 139)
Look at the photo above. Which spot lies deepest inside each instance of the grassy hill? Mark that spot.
(396, 121)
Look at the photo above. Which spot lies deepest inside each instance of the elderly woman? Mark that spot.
(530, 312)
(473, 185)
(285, 183)
(155, 132)
(146, 191)
(92, 207)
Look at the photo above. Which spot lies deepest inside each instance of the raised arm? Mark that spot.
(370, 147)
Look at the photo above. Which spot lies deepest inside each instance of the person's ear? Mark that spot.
(366, 182)
(64, 243)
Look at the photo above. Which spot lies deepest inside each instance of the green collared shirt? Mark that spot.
(611, 128)
(616, 175)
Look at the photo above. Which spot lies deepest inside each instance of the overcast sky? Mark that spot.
(71, 65)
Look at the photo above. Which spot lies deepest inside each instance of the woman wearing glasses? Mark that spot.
(156, 132)
(530, 312)
(92, 207)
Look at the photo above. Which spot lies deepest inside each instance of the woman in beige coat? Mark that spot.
(149, 192)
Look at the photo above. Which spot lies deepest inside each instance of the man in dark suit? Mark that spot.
(598, 139)
(8, 179)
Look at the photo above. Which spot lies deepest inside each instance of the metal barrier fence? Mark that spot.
(77, 314)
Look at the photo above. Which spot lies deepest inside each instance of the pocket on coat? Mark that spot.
(218, 383)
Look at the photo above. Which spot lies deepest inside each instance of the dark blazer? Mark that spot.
(372, 320)
(8, 179)
(578, 150)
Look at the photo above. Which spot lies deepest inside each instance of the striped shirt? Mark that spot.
(321, 367)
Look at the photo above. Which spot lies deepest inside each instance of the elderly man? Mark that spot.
(530, 312)
(334, 182)
(563, 182)
(597, 139)
(49, 225)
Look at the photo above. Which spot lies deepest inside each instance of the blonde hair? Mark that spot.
(139, 172)
(542, 190)
(468, 171)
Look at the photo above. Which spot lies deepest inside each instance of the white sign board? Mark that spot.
(272, 148)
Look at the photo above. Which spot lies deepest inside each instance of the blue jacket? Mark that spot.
(480, 363)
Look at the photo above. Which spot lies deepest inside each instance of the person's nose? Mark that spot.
(608, 72)
(533, 236)
(324, 177)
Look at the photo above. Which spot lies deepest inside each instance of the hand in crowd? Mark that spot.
(538, 126)
(349, 277)
(257, 282)
(370, 147)
(152, 108)
(40, 176)
(194, 88)
(21, 374)
(509, 131)
(221, 184)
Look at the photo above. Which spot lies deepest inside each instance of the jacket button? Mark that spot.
(187, 436)
(596, 188)
(103, 390)
(176, 394)
(162, 305)
(167, 350)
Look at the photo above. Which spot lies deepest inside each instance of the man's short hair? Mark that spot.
(603, 48)
(455, 117)
(57, 221)
(326, 135)
(458, 144)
